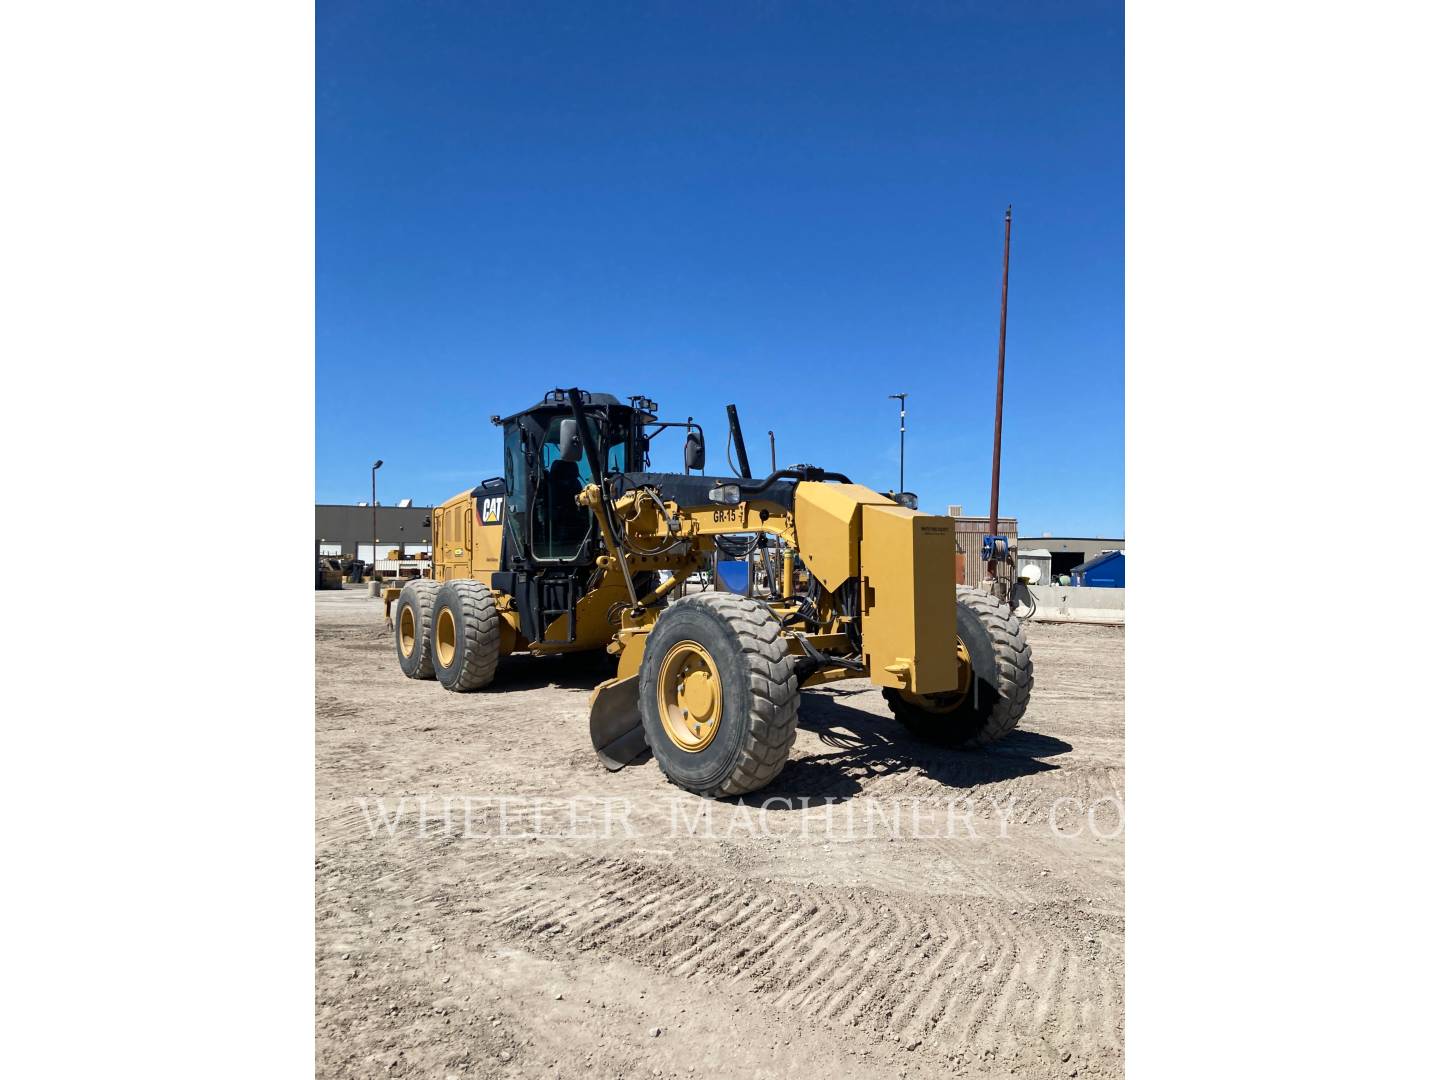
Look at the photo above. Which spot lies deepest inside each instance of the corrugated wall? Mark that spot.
(349, 526)
(970, 533)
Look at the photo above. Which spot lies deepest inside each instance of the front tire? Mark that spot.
(1001, 676)
(465, 635)
(718, 694)
(414, 611)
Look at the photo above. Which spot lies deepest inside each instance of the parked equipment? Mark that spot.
(563, 552)
(329, 574)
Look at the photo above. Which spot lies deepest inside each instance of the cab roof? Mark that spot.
(556, 399)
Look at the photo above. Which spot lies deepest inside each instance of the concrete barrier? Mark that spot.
(1072, 603)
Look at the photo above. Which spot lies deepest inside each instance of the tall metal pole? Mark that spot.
(999, 396)
(772, 451)
(901, 398)
(374, 527)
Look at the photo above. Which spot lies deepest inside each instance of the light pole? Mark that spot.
(901, 398)
(999, 396)
(374, 526)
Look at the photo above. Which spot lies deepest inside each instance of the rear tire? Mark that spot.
(413, 612)
(1002, 674)
(747, 694)
(465, 635)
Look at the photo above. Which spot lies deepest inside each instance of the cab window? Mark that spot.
(560, 525)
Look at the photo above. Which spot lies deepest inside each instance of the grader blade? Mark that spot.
(615, 727)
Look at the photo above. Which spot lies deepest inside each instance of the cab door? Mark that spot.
(487, 523)
(451, 550)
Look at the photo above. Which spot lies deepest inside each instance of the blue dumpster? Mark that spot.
(1104, 571)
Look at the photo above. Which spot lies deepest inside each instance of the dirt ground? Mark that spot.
(885, 908)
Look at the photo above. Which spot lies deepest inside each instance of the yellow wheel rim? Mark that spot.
(407, 631)
(946, 703)
(689, 695)
(445, 637)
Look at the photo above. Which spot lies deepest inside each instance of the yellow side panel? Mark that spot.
(827, 524)
(450, 539)
(908, 562)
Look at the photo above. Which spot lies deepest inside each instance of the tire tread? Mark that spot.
(774, 691)
(423, 593)
(479, 630)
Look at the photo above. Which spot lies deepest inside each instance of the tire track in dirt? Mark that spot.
(992, 955)
(957, 975)
(827, 998)
(1021, 800)
(935, 962)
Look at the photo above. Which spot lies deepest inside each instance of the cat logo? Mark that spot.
(490, 509)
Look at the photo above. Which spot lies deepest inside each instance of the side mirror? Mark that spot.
(695, 451)
(571, 448)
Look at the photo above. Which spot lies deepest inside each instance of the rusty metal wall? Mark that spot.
(969, 535)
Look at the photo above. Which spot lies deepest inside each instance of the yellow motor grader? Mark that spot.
(565, 553)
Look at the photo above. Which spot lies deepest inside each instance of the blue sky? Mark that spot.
(795, 207)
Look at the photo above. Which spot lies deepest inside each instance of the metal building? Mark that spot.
(1068, 552)
(970, 533)
(1036, 561)
(345, 530)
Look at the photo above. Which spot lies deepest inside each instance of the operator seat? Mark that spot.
(566, 519)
